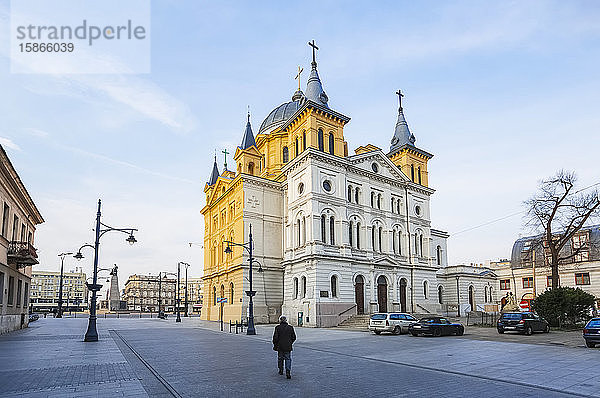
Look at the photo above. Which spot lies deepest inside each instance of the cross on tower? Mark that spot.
(300, 70)
(400, 95)
(224, 151)
(314, 47)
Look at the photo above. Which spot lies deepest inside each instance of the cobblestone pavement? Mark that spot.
(150, 357)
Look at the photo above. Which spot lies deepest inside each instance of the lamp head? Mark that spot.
(131, 239)
(78, 256)
(228, 249)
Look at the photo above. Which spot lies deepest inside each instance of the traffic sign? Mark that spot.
(524, 304)
(222, 300)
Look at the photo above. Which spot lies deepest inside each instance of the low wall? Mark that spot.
(8, 323)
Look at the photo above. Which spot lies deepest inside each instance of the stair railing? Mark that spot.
(343, 312)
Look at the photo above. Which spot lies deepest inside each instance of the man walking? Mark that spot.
(283, 338)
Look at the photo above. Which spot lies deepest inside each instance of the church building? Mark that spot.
(335, 234)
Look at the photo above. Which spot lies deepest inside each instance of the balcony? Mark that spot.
(22, 254)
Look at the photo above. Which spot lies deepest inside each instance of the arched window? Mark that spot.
(373, 237)
(349, 193)
(334, 286)
(419, 174)
(251, 168)
(440, 295)
(220, 249)
(286, 155)
(412, 172)
(379, 201)
(394, 241)
(356, 196)
(303, 230)
(295, 288)
(331, 144)
(332, 230)
(214, 295)
(485, 295)
(304, 140)
(303, 286)
(350, 228)
(372, 199)
(491, 297)
(438, 255)
(231, 293)
(398, 206)
(393, 207)
(222, 290)
(426, 289)
(358, 235)
(320, 140)
(416, 244)
(298, 237)
(421, 245)
(380, 236)
(296, 153)
(323, 228)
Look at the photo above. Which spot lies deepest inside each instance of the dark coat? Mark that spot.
(283, 337)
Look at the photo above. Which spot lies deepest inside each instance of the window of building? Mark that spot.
(438, 255)
(303, 140)
(398, 206)
(303, 286)
(214, 295)
(5, 213)
(373, 237)
(379, 201)
(334, 285)
(380, 238)
(394, 242)
(549, 280)
(295, 288)
(582, 278)
(298, 237)
(11, 290)
(327, 185)
(320, 140)
(372, 199)
(485, 294)
(419, 174)
(440, 295)
(504, 284)
(331, 144)
(349, 193)
(356, 195)
(19, 291)
(323, 228)
(26, 295)
(15, 227)
(1, 287)
(412, 172)
(231, 293)
(251, 168)
(426, 289)
(527, 282)
(392, 205)
(350, 231)
(358, 235)
(296, 147)
(286, 155)
(332, 230)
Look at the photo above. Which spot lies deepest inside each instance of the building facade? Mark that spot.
(528, 272)
(20, 217)
(334, 234)
(145, 292)
(45, 286)
(195, 294)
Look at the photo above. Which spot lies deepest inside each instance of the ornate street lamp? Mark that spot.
(60, 287)
(250, 293)
(92, 332)
(185, 310)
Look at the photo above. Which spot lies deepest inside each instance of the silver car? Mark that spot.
(393, 322)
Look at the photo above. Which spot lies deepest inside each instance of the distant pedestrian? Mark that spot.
(283, 338)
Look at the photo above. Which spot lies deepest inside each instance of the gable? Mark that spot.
(377, 160)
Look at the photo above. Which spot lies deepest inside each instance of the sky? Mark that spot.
(502, 93)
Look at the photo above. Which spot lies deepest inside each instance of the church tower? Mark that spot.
(247, 156)
(403, 152)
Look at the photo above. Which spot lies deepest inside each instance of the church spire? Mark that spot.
(248, 138)
(215, 173)
(314, 88)
(402, 135)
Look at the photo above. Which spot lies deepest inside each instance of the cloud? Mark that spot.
(37, 132)
(7, 143)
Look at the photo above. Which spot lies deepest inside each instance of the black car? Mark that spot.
(522, 322)
(591, 333)
(436, 326)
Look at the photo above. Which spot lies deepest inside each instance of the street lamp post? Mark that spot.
(251, 293)
(60, 286)
(185, 310)
(92, 333)
(178, 299)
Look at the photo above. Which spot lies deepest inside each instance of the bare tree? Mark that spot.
(557, 212)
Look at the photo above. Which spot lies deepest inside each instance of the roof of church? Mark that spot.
(279, 115)
(248, 138)
(215, 173)
(314, 88)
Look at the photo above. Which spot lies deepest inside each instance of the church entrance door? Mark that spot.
(403, 295)
(472, 298)
(359, 294)
(382, 293)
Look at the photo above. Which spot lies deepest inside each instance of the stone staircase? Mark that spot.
(356, 322)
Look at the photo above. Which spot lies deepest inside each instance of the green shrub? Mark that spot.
(564, 306)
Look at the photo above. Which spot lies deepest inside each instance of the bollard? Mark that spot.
(105, 315)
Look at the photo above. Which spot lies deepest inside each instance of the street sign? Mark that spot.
(222, 300)
(524, 304)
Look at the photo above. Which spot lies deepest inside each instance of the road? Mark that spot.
(150, 357)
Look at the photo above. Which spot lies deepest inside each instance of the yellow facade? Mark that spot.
(413, 163)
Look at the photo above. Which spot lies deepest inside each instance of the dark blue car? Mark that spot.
(436, 326)
(591, 333)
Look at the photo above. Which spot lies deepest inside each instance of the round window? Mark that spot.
(375, 167)
(418, 210)
(301, 188)
(327, 185)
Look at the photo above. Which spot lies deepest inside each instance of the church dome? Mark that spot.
(278, 116)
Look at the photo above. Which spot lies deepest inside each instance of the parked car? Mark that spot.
(436, 326)
(33, 317)
(522, 322)
(591, 333)
(393, 322)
